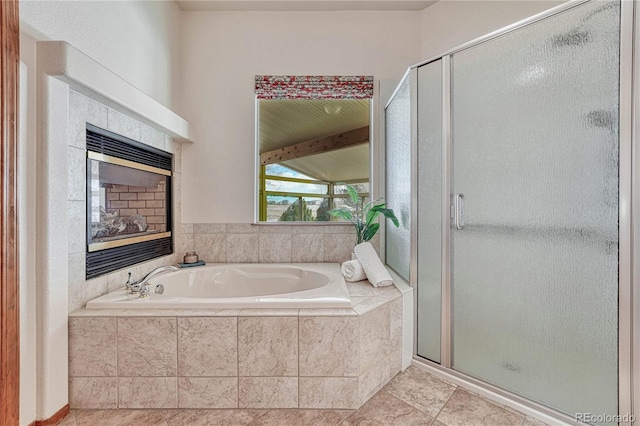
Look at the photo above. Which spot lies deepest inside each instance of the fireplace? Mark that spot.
(128, 202)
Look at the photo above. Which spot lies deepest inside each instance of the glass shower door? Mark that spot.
(430, 188)
(535, 236)
(398, 171)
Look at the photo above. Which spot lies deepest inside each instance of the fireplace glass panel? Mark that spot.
(125, 202)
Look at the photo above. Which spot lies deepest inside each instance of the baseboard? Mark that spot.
(53, 420)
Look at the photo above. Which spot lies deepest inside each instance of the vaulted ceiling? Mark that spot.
(291, 121)
(283, 123)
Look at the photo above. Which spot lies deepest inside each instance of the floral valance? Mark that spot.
(313, 87)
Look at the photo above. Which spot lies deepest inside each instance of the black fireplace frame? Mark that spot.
(107, 260)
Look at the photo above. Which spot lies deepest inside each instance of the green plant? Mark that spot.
(297, 211)
(322, 214)
(363, 216)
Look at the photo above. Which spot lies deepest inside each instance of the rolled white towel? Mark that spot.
(376, 273)
(352, 271)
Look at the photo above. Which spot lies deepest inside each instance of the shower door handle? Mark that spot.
(458, 211)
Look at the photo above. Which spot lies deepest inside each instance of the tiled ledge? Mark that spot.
(237, 358)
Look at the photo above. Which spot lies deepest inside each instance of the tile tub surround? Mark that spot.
(273, 243)
(231, 358)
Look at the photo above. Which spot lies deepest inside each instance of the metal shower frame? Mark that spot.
(629, 220)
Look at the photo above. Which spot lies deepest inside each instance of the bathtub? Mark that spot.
(303, 285)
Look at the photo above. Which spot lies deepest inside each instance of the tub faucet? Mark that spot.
(142, 286)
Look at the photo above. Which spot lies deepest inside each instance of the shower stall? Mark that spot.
(509, 161)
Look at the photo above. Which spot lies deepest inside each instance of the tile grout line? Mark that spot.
(117, 363)
(324, 247)
(455, 387)
(177, 356)
(298, 372)
(238, 360)
(445, 403)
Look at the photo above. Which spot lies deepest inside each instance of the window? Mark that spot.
(313, 137)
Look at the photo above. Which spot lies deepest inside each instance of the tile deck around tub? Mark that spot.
(322, 358)
(413, 397)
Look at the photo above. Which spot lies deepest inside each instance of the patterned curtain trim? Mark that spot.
(313, 87)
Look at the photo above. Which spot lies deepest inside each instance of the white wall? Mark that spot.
(450, 23)
(138, 40)
(221, 54)
(27, 225)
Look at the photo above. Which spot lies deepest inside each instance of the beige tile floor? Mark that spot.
(413, 397)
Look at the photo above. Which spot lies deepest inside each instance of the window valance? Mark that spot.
(313, 87)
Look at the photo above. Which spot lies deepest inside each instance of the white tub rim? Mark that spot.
(334, 295)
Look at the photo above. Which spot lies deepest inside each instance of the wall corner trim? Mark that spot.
(83, 74)
(53, 420)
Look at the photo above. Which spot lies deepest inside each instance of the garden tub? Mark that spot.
(303, 285)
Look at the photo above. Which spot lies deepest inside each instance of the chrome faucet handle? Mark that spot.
(142, 285)
(130, 285)
(145, 291)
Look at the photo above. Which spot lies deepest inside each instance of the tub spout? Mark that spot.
(142, 286)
